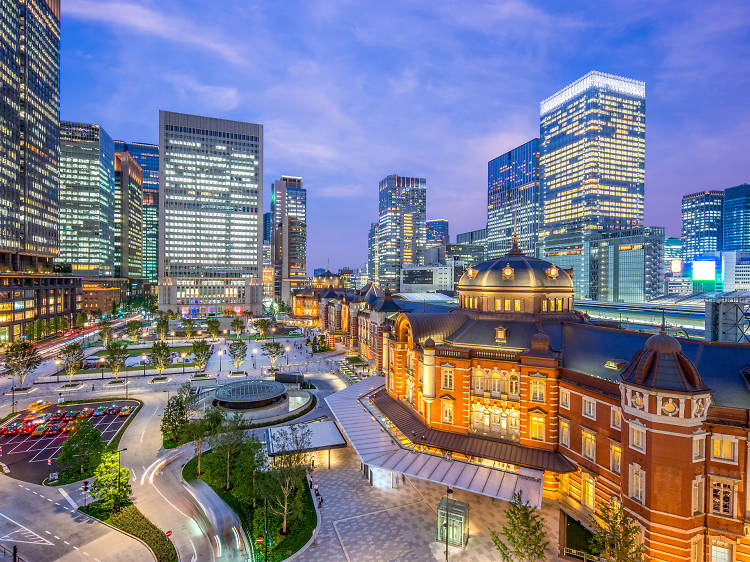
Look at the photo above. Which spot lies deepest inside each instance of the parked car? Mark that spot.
(113, 410)
(53, 429)
(39, 430)
(42, 419)
(57, 416)
(100, 411)
(69, 415)
(11, 428)
(27, 427)
(125, 410)
(85, 413)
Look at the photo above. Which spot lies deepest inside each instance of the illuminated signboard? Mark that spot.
(704, 271)
(676, 266)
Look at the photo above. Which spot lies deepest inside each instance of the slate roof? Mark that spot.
(471, 445)
(435, 325)
(518, 333)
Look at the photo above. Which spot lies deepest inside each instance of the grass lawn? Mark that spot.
(132, 521)
(147, 350)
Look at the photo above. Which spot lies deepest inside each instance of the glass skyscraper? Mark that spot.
(30, 123)
(210, 214)
(437, 232)
(87, 199)
(736, 228)
(702, 224)
(128, 217)
(401, 227)
(592, 154)
(147, 157)
(289, 236)
(513, 196)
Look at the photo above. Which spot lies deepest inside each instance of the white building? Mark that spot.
(736, 271)
(430, 278)
(210, 214)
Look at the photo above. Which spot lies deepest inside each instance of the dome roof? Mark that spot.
(516, 271)
(662, 365)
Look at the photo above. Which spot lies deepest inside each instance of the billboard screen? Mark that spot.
(704, 271)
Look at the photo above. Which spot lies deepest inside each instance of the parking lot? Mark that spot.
(32, 458)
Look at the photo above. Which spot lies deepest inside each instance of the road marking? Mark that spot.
(49, 500)
(68, 498)
(47, 532)
(57, 503)
(145, 472)
(195, 552)
(74, 546)
(142, 434)
(26, 535)
(56, 537)
(66, 542)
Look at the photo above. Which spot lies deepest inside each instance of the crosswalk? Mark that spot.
(12, 531)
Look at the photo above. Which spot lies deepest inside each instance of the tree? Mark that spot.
(203, 429)
(160, 356)
(80, 319)
(111, 482)
(39, 329)
(226, 445)
(618, 538)
(263, 326)
(174, 420)
(72, 356)
(30, 331)
(251, 460)
(21, 359)
(83, 448)
(523, 531)
(238, 351)
(288, 469)
(201, 353)
(105, 332)
(272, 350)
(117, 353)
(133, 329)
(189, 397)
(162, 328)
(55, 324)
(238, 324)
(212, 325)
(188, 326)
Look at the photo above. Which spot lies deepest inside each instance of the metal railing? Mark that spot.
(585, 556)
(8, 553)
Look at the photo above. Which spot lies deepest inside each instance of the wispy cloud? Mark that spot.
(213, 96)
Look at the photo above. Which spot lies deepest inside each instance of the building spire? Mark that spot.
(515, 250)
(663, 322)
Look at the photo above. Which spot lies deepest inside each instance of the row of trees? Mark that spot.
(616, 537)
(41, 328)
(189, 328)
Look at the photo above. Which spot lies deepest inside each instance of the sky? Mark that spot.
(349, 92)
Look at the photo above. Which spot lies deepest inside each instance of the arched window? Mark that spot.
(513, 385)
(409, 391)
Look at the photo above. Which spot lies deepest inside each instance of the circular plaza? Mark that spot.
(249, 394)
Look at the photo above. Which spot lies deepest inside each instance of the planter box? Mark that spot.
(237, 374)
(116, 383)
(21, 392)
(160, 380)
(70, 388)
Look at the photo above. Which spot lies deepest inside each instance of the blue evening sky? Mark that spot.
(349, 92)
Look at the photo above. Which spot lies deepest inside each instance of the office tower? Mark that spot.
(372, 253)
(473, 237)
(267, 270)
(592, 155)
(210, 214)
(128, 214)
(30, 116)
(267, 228)
(147, 157)
(736, 227)
(401, 227)
(513, 200)
(87, 199)
(289, 215)
(702, 224)
(437, 232)
(672, 252)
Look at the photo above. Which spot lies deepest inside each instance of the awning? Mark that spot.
(323, 435)
(377, 448)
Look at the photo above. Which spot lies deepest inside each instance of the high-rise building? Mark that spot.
(128, 225)
(592, 155)
(401, 227)
(468, 254)
(87, 199)
(672, 251)
(736, 227)
(372, 252)
(473, 237)
(267, 228)
(289, 232)
(30, 118)
(147, 157)
(702, 224)
(210, 214)
(513, 200)
(437, 232)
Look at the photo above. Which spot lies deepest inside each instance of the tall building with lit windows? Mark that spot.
(438, 232)
(289, 236)
(147, 157)
(736, 230)
(513, 199)
(87, 199)
(702, 224)
(592, 153)
(128, 223)
(401, 227)
(30, 123)
(210, 214)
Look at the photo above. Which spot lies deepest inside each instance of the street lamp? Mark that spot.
(118, 475)
(273, 331)
(255, 351)
(144, 357)
(286, 349)
(58, 362)
(221, 352)
(13, 398)
(183, 355)
(448, 491)
(101, 361)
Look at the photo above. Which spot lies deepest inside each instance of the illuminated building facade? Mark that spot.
(513, 199)
(516, 384)
(87, 199)
(401, 226)
(147, 157)
(372, 252)
(30, 117)
(437, 232)
(210, 214)
(267, 228)
(702, 224)
(592, 154)
(469, 254)
(128, 217)
(736, 220)
(289, 232)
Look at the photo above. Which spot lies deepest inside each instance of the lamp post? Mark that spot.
(118, 475)
(287, 349)
(144, 357)
(183, 355)
(221, 352)
(448, 491)
(12, 398)
(255, 352)
(57, 373)
(273, 331)
(101, 362)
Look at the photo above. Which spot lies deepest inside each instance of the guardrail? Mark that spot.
(585, 556)
(12, 553)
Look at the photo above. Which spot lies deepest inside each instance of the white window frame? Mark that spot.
(588, 408)
(514, 384)
(699, 448)
(715, 546)
(565, 398)
(443, 409)
(446, 373)
(615, 418)
(697, 495)
(532, 425)
(615, 467)
(588, 482)
(564, 432)
(726, 440)
(536, 385)
(592, 453)
(637, 483)
(636, 429)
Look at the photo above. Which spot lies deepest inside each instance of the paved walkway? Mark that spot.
(366, 524)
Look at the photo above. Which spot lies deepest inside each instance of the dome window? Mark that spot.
(553, 272)
(500, 334)
(508, 272)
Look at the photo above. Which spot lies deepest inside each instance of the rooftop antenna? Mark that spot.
(515, 228)
(663, 322)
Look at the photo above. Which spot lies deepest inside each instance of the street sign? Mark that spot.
(168, 533)
(259, 540)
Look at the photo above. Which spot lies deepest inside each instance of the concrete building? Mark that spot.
(87, 199)
(438, 232)
(401, 226)
(210, 214)
(702, 224)
(289, 235)
(430, 278)
(469, 254)
(372, 252)
(128, 218)
(735, 271)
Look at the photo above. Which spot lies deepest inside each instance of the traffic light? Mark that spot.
(85, 485)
